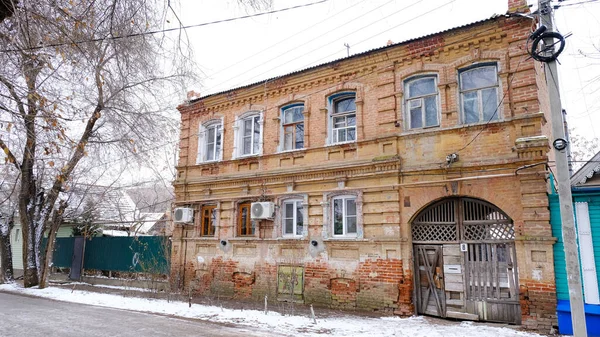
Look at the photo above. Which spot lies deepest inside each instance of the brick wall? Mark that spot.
(394, 171)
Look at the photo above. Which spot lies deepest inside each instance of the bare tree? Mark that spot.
(81, 81)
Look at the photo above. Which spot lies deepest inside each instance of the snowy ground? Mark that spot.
(276, 323)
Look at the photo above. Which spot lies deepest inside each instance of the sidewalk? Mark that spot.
(283, 318)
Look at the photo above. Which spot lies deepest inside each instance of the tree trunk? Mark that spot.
(48, 254)
(46, 266)
(6, 264)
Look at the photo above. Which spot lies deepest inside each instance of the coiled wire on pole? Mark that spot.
(541, 52)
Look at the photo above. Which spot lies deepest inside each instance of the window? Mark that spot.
(344, 216)
(293, 127)
(422, 102)
(245, 225)
(17, 235)
(250, 135)
(293, 221)
(479, 94)
(343, 118)
(208, 220)
(210, 142)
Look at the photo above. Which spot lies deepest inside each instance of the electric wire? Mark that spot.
(152, 32)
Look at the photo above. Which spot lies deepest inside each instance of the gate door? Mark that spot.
(430, 280)
(465, 261)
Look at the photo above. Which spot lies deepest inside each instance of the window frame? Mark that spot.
(421, 98)
(203, 141)
(283, 126)
(238, 151)
(249, 225)
(332, 130)
(345, 216)
(478, 90)
(212, 220)
(294, 217)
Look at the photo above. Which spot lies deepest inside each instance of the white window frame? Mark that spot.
(345, 216)
(203, 141)
(239, 135)
(421, 100)
(294, 217)
(283, 125)
(332, 131)
(482, 118)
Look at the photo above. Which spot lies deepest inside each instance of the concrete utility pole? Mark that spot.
(564, 182)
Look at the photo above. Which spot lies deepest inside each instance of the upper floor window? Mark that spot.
(292, 218)
(293, 127)
(210, 142)
(343, 118)
(479, 94)
(421, 102)
(344, 216)
(248, 134)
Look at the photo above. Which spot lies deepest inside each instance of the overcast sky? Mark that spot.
(233, 54)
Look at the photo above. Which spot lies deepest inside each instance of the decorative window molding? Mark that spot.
(299, 205)
(292, 127)
(342, 118)
(210, 141)
(479, 89)
(421, 102)
(343, 215)
(248, 134)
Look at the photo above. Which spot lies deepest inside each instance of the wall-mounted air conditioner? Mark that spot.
(183, 215)
(261, 210)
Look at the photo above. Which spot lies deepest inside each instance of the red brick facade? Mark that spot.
(391, 172)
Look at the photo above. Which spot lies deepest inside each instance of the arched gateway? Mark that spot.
(465, 261)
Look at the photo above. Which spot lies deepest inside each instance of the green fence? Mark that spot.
(147, 254)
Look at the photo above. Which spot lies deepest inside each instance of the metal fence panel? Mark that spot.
(147, 254)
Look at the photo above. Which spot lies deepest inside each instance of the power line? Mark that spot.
(162, 30)
(329, 43)
(291, 36)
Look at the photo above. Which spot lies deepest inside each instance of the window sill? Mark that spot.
(341, 143)
(209, 162)
(247, 156)
(345, 238)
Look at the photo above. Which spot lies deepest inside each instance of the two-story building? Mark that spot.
(408, 178)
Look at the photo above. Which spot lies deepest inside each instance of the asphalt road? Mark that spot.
(32, 317)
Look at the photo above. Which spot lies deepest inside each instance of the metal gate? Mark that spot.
(465, 261)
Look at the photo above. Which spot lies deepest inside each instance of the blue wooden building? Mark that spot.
(585, 187)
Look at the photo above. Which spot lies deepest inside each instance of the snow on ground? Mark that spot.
(274, 322)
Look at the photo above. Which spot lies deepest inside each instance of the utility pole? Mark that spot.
(564, 181)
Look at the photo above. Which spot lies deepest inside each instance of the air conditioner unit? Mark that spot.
(261, 210)
(183, 215)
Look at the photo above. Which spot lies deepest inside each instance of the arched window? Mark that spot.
(479, 94)
(248, 134)
(342, 119)
(421, 102)
(292, 123)
(210, 141)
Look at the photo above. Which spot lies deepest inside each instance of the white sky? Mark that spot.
(236, 53)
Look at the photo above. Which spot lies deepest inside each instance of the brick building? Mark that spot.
(408, 178)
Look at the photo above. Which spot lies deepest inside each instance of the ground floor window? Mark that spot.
(208, 220)
(244, 222)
